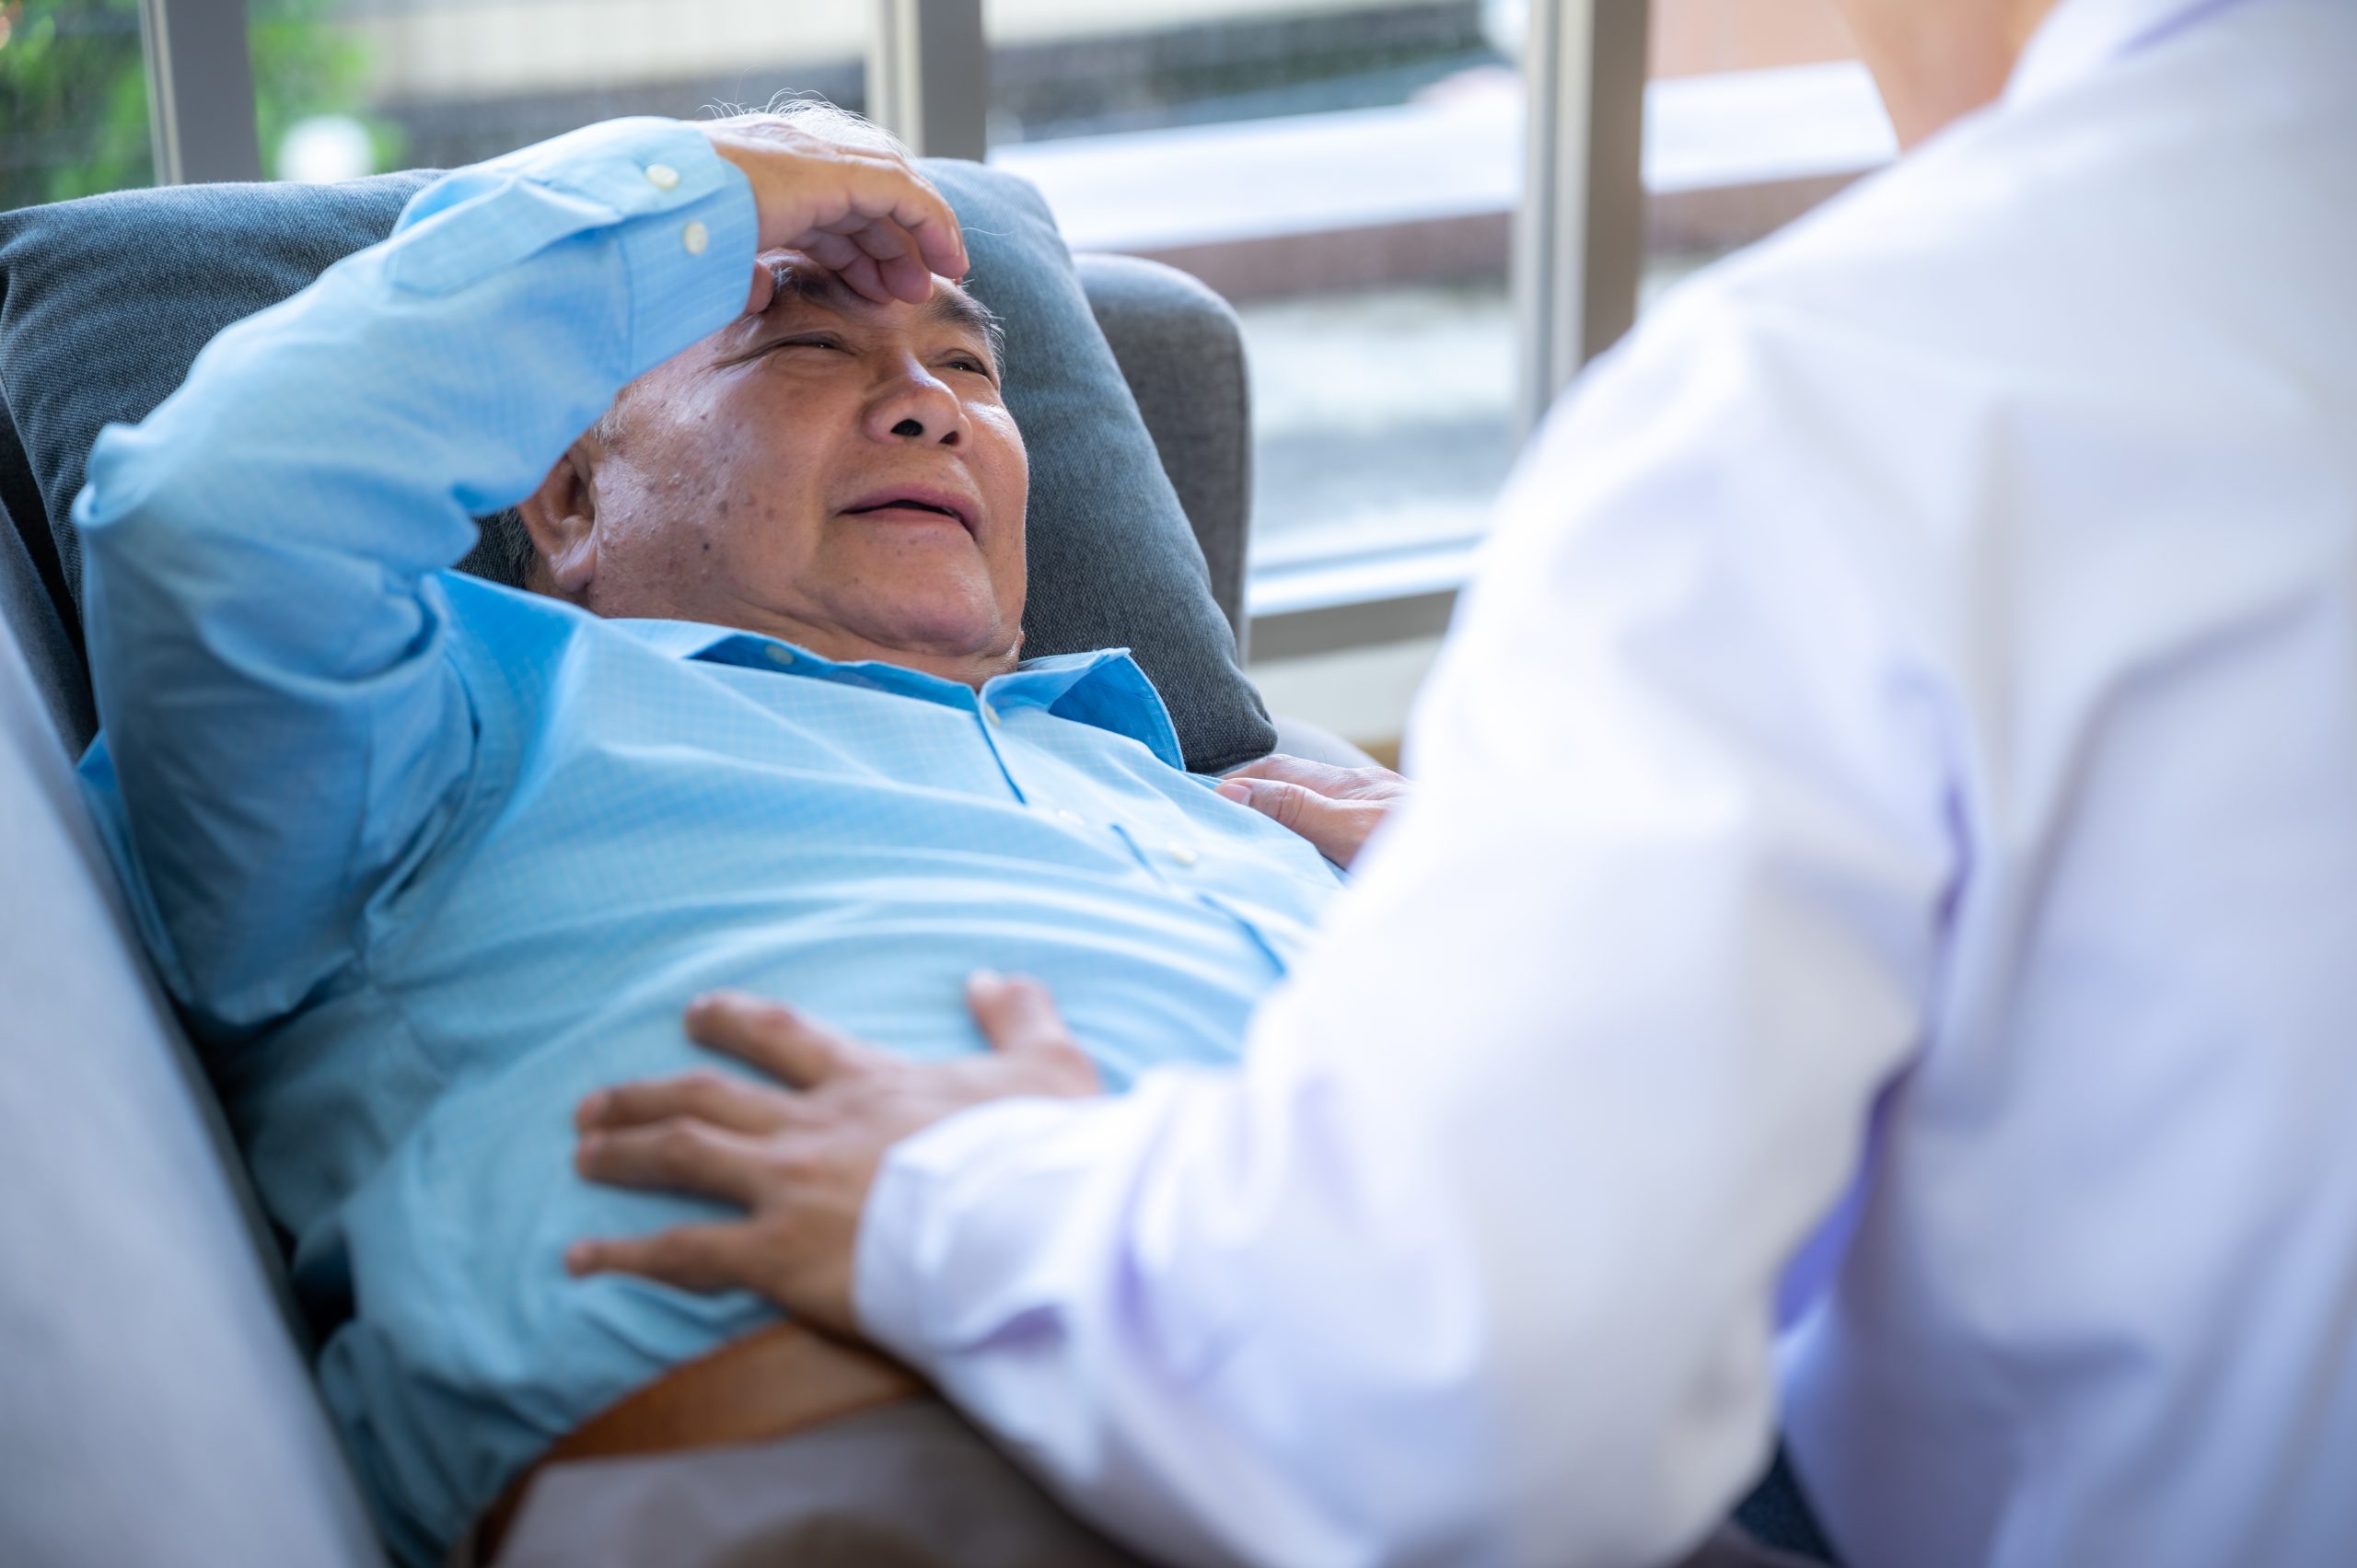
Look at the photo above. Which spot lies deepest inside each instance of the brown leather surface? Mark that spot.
(772, 1383)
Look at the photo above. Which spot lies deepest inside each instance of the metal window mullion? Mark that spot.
(928, 76)
(200, 90)
(1579, 237)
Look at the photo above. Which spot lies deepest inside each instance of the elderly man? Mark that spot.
(1889, 827)
(426, 859)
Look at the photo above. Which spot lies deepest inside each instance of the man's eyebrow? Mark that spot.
(956, 307)
(950, 305)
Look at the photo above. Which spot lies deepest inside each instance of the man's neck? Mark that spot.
(966, 670)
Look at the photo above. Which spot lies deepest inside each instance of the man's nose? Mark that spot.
(915, 406)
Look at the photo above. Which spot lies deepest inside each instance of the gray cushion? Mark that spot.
(104, 302)
(154, 1407)
(1181, 350)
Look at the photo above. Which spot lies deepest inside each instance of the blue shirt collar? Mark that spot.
(1106, 688)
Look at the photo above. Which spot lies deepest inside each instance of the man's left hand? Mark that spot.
(800, 1159)
(1334, 808)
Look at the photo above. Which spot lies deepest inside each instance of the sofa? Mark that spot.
(155, 1399)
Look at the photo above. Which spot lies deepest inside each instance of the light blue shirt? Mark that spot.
(426, 859)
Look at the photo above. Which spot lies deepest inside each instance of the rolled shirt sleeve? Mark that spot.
(1475, 1258)
(282, 731)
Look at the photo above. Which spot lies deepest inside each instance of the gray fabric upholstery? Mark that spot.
(52, 661)
(104, 302)
(1182, 352)
(1315, 743)
(154, 1407)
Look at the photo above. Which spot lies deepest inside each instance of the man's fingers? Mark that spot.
(884, 194)
(780, 1041)
(679, 1155)
(804, 182)
(886, 189)
(717, 1098)
(1287, 805)
(1323, 778)
(1337, 829)
(694, 1257)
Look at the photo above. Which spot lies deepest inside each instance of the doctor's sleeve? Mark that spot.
(1474, 1259)
(283, 728)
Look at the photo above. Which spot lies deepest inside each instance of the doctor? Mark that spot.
(1884, 869)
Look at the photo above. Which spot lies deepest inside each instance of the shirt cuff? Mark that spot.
(682, 217)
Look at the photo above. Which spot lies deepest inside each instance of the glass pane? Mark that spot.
(73, 100)
(1346, 174)
(1756, 111)
(344, 87)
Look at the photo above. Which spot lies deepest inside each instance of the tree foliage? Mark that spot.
(74, 90)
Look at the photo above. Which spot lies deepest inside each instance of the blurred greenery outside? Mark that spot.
(74, 92)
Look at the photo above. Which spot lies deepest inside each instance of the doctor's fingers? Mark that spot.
(1018, 1017)
(800, 1051)
(724, 1100)
(693, 1257)
(677, 1154)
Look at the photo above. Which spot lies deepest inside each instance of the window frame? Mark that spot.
(1577, 254)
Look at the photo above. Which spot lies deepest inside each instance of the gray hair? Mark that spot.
(503, 551)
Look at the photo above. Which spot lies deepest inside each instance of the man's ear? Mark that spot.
(561, 517)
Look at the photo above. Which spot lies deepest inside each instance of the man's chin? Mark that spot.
(933, 633)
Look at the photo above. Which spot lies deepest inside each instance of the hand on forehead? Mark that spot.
(783, 277)
(848, 198)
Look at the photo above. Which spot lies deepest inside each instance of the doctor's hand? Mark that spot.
(798, 1159)
(1334, 808)
(857, 207)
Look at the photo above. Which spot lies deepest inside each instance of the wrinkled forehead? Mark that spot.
(805, 287)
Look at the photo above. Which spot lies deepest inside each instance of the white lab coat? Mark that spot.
(1902, 743)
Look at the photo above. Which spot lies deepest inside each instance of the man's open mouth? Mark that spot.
(936, 503)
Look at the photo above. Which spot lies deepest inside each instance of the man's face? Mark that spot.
(836, 472)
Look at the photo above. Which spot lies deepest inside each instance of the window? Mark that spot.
(1756, 112)
(345, 87)
(1350, 173)
(72, 99)
(1346, 174)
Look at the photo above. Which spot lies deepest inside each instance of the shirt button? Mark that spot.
(695, 237)
(1185, 854)
(780, 656)
(662, 176)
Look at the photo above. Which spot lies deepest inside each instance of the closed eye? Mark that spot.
(806, 340)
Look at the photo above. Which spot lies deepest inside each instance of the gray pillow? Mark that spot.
(104, 302)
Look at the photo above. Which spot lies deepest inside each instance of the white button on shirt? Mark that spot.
(662, 176)
(694, 236)
(1912, 684)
